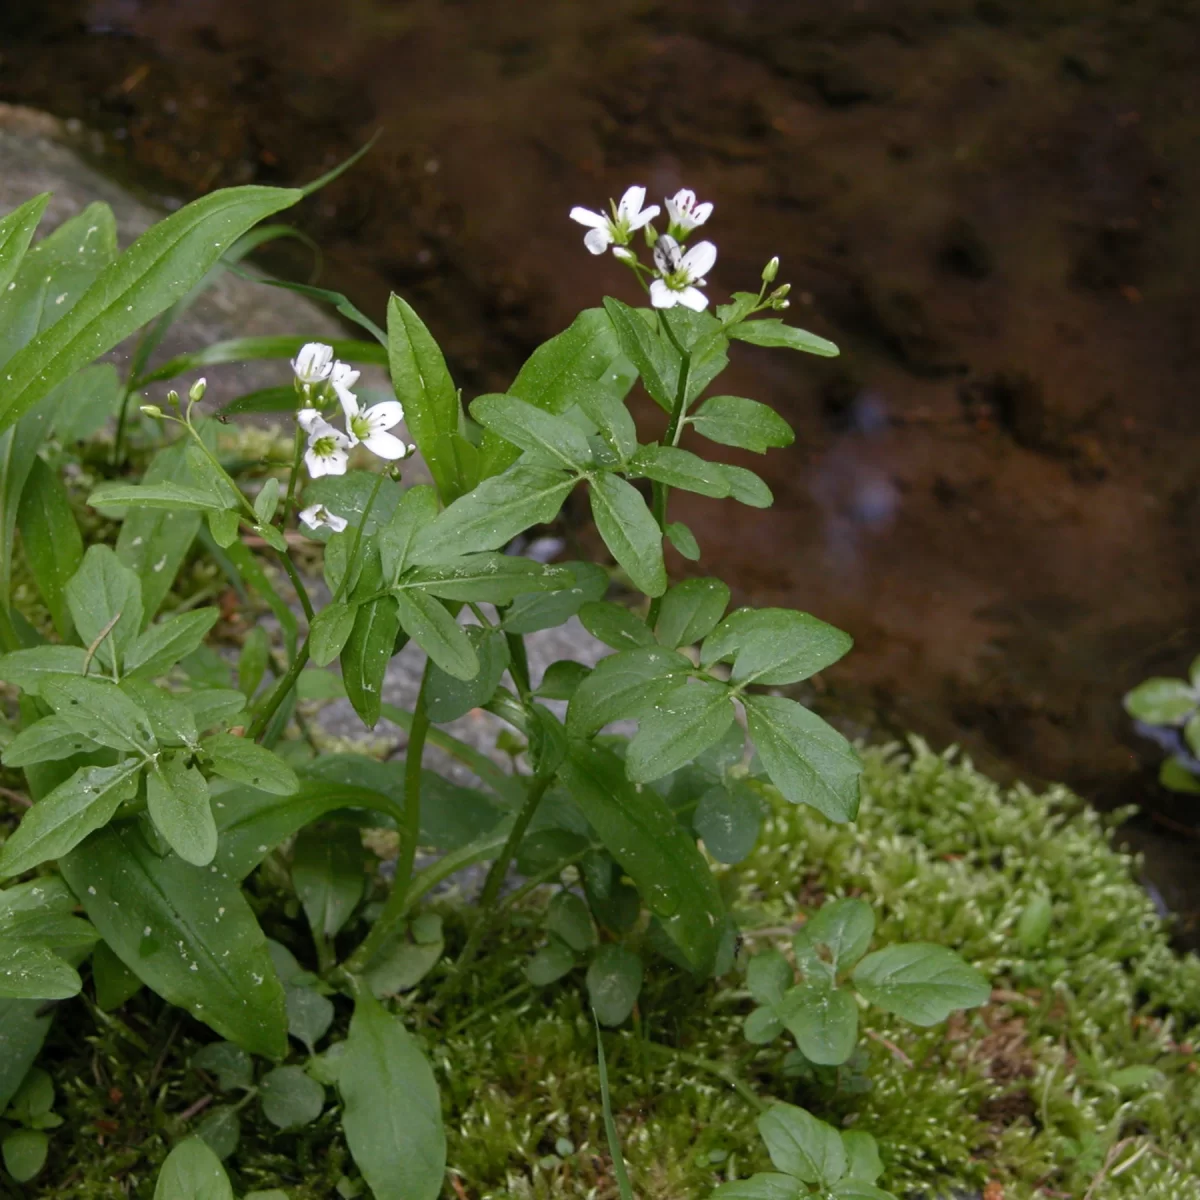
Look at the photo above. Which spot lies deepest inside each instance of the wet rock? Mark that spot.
(899, 318)
(964, 251)
(1016, 402)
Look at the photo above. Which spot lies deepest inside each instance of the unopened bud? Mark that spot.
(173, 398)
(771, 270)
(624, 254)
(781, 291)
(197, 390)
(152, 410)
(651, 234)
(781, 304)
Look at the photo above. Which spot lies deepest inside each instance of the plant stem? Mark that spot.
(126, 392)
(671, 437)
(410, 830)
(495, 881)
(297, 458)
(278, 695)
(519, 664)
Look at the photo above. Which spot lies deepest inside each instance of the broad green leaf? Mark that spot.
(214, 706)
(41, 911)
(224, 526)
(99, 710)
(615, 625)
(252, 349)
(159, 647)
(488, 578)
(232, 1066)
(863, 1163)
(448, 698)
(629, 531)
(567, 917)
(114, 982)
(727, 821)
(690, 611)
(417, 507)
(424, 387)
(328, 875)
(171, 717)
(762, 1026)
(23, 1028)
(1162, 701)
(174, 497)
(640, 831)
(86, 402)
(858, 1189)
(656, 363)
(349, 496)
(32, 972)
(46, 740)
(144, 906)
(549, 964)
(807, 760)
(1176, 776)
(403, 961)
(614, 980)
(555, 441)
(623, 686)
(60, 820)
(105, 595)
(919, 981)
(290, 1097)
(16, 232)
(426, 621)
(844, 927)
(30, 669)
(562, 680)
(582, 365)
(178, 800)
(736, 421)
(545, 610)
(802, 1146)
(24, 1152)
(267, 500)
(51, 539)
(221, 1130)
(617, 428)
(774, 646)
(681, 725)
(253, 660)
(192, 1172)
(771, 331)
(391, 1113)
(329, 632)
(242, 760)
(746, 487)
(154, 542)
(492, 514)
(769, 976)
(823, 1020)
(762, 1187)
(367, 652)
(309, 1015)
(683, 539)
(681, 469)
(156, 270)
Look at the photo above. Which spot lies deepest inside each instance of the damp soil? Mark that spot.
(989, 204)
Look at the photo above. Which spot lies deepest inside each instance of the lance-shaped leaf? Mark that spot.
(328, 875)
(629, 531)
(162, 265)
(488, 578)
(771, 331)
(447, 698)
(51, 539)
(656, 363)
(16, 232)
(679, 727)
(680, 469)
(178, 800)
(544, 610)
(690, 611)
(186, 932)
(391, 1113)
(553, 439)
(249, 349)
(807, 760)
(32, 972)
(30, 669)
(247, 762)
(640, 831)
(367, 652)
(426, 621)
(624, 686)
(157, 649)
(99, 710)
(105, 598)
(736, 421)
(46, 740)
(774, 646)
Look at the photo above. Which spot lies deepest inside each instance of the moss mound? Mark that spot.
(1078, 1075)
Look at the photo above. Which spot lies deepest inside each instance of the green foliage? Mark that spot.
(1172, 705)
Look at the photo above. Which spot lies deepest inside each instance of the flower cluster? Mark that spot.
(678, 274)
(318, 374)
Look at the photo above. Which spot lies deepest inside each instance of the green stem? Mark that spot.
(661, 491)
(297, 458)
(126, 392)
(410, 831)
(495, 881)
(278, 694)
(519, 664)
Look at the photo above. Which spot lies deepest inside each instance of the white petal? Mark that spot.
(701, 213)
(693, 298)
(344, 375)
(385, 414)
(598, 240)
(644, 218)
(320, 428)
(307, 418)
(631, 203)
(314, 362)
(699, 260)
(315, 463)
(666, 254)
(661, 296)
(336, 523)
(585, 216)
(386, 446)
(312, 517)
(335, 464)
(349, 402)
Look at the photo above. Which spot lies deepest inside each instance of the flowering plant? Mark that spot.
(158, 791)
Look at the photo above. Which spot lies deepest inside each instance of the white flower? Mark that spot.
(627, 218)
(306, 418)
(370, 426)
(343, 377)
(682, 274)
(326, 453)
(317, 515)
(314, 363)
(685, 214)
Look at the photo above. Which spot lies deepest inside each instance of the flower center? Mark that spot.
(360, 427)
(323, 447)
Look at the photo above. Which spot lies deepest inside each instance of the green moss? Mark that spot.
(1036, 1091)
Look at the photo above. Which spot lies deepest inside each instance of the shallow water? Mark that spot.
(989, 205)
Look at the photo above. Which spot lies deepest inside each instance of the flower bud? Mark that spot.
(197, 390)
(781, 304)
(173, 398)
(152, 410)
(771, 270)
(651, 234)
(624, 254)
(781, 291)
